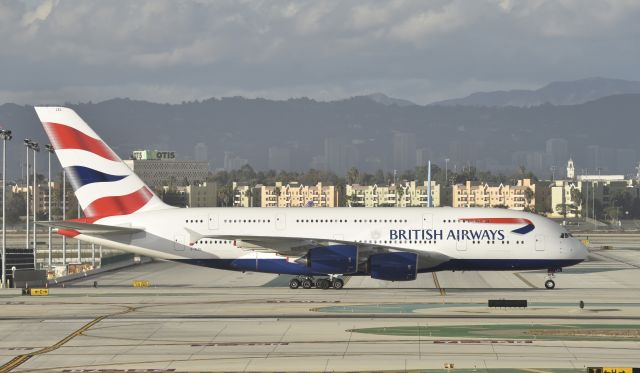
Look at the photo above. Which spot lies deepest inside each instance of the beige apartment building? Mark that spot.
(292, 194)
(517, 197)
(196, 195)
(42, 195)
(567, 195)
(242, 195)
(408, 194)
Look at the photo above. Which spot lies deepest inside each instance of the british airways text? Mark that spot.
(441, 234)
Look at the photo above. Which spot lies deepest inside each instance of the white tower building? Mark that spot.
(571, 172)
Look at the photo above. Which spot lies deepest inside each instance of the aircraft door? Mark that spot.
(213, 222)
(281, 222)
(539, 243)
(427, 221)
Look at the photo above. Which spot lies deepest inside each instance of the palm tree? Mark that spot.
(353, 175)
(576, 199)
(528, 196)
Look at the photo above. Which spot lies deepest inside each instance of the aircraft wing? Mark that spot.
(288, 246)
(88, 228)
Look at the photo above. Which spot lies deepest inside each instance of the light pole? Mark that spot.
(35, 148)
(64, 216)
(50, 150)
(446, 171)
(27, 144)
(6, 135)
(78, 240)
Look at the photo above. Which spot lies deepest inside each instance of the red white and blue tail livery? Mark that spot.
(316, 245)
(103, 184)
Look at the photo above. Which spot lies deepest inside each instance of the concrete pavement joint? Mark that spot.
(527, 282)
(21, 359)
(443, 292)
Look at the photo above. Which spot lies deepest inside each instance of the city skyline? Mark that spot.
(489, 139)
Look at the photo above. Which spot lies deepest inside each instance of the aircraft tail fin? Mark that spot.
(102, 182)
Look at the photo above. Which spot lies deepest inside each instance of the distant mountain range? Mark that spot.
(359, 131)
(555, 93)
(383, 99)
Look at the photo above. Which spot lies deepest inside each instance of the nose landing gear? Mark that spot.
(549, 284)
(551, 274)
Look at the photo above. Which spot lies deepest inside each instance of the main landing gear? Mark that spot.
(307, 282)
(551, 274)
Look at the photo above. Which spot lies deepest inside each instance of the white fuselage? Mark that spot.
(192, 233)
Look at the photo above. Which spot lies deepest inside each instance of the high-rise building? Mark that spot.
(601, 159)
(318, 162)
(339, 155)
(627, 160)
(279, 159)
(200, 152)
(233, 162)
(608, 159)
(558, 151)
(404, 151)
(423, 156)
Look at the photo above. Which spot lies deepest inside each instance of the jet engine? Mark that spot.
(334, 259)
(396, 266)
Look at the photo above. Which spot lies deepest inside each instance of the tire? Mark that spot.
(323, 284)
(549, 284)
(307, 284)
(294, 284)
(338, 284)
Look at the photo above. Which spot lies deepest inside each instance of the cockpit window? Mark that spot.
(565, 235)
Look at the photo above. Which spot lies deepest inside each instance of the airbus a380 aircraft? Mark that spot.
(317, 245)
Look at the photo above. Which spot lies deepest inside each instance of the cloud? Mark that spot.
(40, 13)
(414, 49)
(367, 16)
(430, 24)
(199, 52)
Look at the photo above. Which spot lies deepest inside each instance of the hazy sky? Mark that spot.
(170, 51)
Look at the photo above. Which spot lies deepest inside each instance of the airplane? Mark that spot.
(318, 246)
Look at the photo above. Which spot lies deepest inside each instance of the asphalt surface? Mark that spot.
(199, 319)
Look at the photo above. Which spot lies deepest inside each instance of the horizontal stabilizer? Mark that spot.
(89, 229)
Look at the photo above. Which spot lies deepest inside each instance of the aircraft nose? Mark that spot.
(582, 251)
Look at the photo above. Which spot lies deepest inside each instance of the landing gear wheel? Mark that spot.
(549, 284)
(307, 284)
(323, 284)
(294, 284)
(337, 283)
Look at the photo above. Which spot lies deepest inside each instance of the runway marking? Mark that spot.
(521, 277)
(535, 370)
(21, 359)
(443, 292)
(615, 259)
